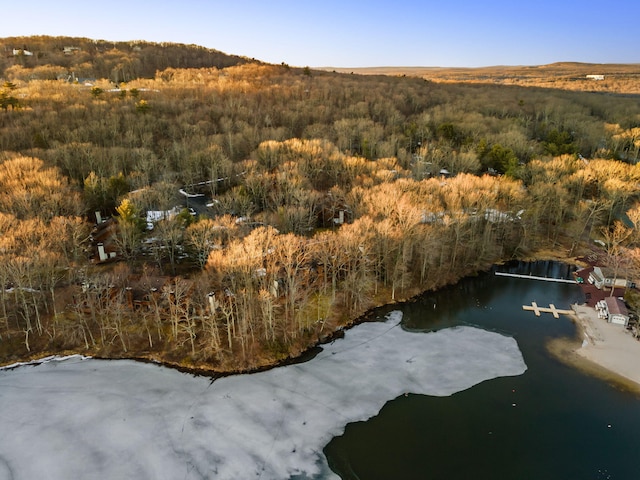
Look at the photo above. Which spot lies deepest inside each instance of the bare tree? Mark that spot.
(169, 234)
(615, 239)
(203, 236)
(176, 294)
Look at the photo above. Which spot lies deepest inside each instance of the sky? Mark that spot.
(355, 33)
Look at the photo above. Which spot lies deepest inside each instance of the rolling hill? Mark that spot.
(54, 58)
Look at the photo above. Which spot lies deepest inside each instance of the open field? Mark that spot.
(618, 78)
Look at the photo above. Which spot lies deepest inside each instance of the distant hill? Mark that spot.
(601, 77)
(50, 58)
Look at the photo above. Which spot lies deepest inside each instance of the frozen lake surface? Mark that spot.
(93, 419)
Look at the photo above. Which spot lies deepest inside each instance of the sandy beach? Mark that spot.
(607, 345)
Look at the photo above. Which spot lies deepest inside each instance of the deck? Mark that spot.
(534, 277)
(556, 312)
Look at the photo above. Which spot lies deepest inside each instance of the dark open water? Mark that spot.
(551, 423)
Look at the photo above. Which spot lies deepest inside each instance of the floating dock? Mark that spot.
(556, 312)
(533, 277)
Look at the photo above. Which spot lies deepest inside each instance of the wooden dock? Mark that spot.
(534, 277)
(556, 312)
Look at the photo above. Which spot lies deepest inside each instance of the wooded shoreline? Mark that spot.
(309, 352)
(210, 371)
(597, 357)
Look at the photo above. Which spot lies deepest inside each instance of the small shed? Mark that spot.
(617, 312)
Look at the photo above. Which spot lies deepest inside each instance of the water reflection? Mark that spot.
(551, 423)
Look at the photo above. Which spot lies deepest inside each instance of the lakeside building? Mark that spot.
(605, 278)
(613, 310)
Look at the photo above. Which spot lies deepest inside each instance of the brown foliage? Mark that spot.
(326, 192)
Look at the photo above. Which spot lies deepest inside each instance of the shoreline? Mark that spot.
(601, 349)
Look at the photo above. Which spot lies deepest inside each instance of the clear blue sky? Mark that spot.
(355, 33)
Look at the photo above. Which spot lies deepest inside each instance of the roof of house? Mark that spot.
(603, 272)
(616, 306)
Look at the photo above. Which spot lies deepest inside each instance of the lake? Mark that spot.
(454, 385)
(552, 422)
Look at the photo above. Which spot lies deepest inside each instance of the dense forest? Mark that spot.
(80, 59)
(225, 214)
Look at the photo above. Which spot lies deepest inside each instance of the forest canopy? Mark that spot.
(227, 215)
(75, 59)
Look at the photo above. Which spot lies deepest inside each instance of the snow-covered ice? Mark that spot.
(94, 419)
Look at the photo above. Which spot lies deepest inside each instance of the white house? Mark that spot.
(19, 51)
(604, 277)
(154, 216)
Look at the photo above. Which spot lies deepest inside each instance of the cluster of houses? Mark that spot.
(611, 308)
(104, 230)
(27, 53)
(491, 215)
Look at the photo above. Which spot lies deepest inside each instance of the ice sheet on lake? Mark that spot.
(92, 419)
